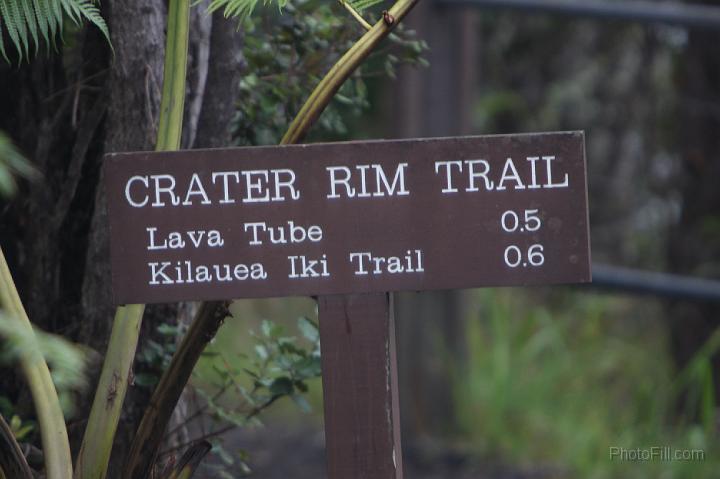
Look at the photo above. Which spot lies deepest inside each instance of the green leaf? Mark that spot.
(92, 14)
(308, 368)
(6, 406)
(271, 330)
(15, 422)
(28, 8)
(167, 329)
(56, 19)
(67, 360)
(12, 20)
(27, 21)
(146, 380)
(22, 432)
(240, 9)
(71, 10)
(266, 327)
(309, 329)
(281, 386)
(7, 184)
(223, 474)
(301, 402)
(2, 45)
(220, 452)
(45, 21)
(261, 351)
(361, 5)
(12, 163)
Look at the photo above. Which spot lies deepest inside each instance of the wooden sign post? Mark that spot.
(360, 389)
(349, 223)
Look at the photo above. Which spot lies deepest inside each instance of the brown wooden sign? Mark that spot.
(355, 217)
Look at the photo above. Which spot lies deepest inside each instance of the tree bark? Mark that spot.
(65, 110)
(134, 85)
(222, 88)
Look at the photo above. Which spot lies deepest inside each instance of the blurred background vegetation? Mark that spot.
(524, 382)
(548, 379)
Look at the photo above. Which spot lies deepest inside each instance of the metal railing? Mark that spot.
(685, 15)
(666, 285)
(641, 11)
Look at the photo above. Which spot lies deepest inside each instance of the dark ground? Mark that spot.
(289, 452)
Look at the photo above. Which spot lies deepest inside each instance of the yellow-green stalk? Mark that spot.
(94, 455)
(56, 448)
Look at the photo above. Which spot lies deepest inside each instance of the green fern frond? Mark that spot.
(361, 5)
(2, 45)
(91, 13)
(2, 42)
(71, 10)
(21, 30)
(27, 21)
(240, 9)
(11, 25)
(30, 21)
(45, 24)
(56, 17)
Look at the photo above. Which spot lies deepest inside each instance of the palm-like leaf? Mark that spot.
(361, 5)
(26, 21)
(241, 9)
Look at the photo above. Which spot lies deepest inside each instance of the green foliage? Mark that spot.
(561, 388)
(236, 389)
(155, 356)
(67, 361)
(21, 428)
(27, 20)
(240, 9)
(278, 368)
(286, 57)
(237, 459)
(12, 164)
(361, 5)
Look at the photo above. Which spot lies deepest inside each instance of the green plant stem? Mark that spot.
(342, 70)
(97, 443)
(147, 441)
(356, 15)
(172, 102)
(56, 447)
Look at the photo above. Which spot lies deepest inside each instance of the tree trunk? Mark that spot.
(223, 84)
(134, 86)
(65, 110)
